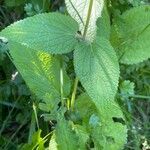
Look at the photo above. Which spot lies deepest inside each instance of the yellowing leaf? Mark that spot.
(41, 72)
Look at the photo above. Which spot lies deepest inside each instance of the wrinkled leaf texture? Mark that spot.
(130, 35)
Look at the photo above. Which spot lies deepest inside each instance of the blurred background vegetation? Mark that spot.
(18, 107)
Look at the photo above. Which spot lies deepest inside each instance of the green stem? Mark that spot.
(61, 80)
(136, 96)
(74, 93)
(32, 128)
(36, 118)
(44, 139)
(84, 35)
(140, 96)
(88, 19)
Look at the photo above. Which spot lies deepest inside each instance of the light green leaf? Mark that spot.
(41, 71)
(130, 35)
(109, 132)
(81, 10)
(66, 138)
(50, 32)
(103, 24)
(97, 68)
(37, 142)
(83, 136)
(53, 144)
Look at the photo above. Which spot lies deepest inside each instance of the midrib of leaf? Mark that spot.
(101, 63)
(88, 18)
(76, 12)
(84, 35)
(132, 40)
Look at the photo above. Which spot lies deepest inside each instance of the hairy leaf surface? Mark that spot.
(105, 133)
(103, 24)
(130, 35)
(83, 136)
(97, 68)
(50, 32)
(66, 138)
(41, 71)
(80, 10)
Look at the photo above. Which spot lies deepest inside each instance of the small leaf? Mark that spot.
(37, 142)
(66, 138)
(127, 88)
(79, 10)
(97, 68)
(84, 107)
(130, 35)
(108, 131)
(103, 24)
(51, 32)
(112, 132)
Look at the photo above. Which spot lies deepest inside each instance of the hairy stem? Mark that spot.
(88, 18)
(84, 35)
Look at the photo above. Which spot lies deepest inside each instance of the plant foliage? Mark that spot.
(94, 119)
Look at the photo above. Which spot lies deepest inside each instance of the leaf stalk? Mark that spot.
(84, 36)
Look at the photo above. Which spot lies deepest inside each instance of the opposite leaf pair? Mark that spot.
(96, 64)
(32, 42)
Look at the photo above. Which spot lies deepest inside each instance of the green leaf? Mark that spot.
(97, 68)
(41, 71)
(111, 132)
(130, 35)
(37, 141)
(107, 130)
(127, 88)
(66, 138)
(103, 24)
(50, 32)
(84, 107)
(53, 144)
(83, 136)
(80, 11)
